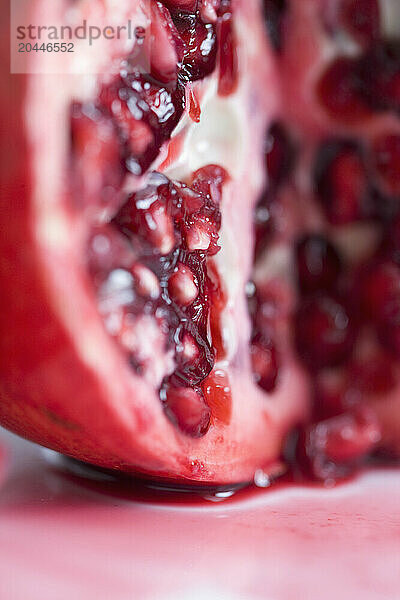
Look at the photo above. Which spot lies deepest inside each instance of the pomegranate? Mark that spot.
(203, 255)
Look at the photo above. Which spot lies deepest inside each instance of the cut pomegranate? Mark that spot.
(134, 201)
(153, 331)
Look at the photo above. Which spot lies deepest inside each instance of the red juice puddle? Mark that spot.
(137, 488)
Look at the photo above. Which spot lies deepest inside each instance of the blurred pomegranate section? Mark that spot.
(204, 257)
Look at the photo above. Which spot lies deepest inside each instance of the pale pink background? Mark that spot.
(61, 539)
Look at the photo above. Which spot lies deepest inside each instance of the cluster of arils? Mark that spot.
(149, 258)
(155, 292)
(137, 111)
(346, 319)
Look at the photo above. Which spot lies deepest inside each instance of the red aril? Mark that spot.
(187, 407)
(334, 448)
(218, 395)
(318, 263)
(324, 331)
(341, 92)
(362, 19)
(358, 18)
(380, 74)
(200, 42)
(342, 182)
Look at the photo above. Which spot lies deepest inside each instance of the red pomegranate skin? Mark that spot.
(62, 382)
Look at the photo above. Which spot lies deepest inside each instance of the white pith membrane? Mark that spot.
(231, 134)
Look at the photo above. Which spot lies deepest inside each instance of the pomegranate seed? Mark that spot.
(218, 395)
(360, 18)
(160, 228)
(200, 41)
(187, 408)
(386, 158)
(264, 362)
(182, 286)
(342, 182)
(228, 67)
(279, 155)
(380, 289)
(167, 48)
(218, 304)
(173, 229)
(187, 349)
(341, 91)
(380, 75)
(274, 11)
(332, 449)
(324, 332)
(146, 282)
(195, 359)
(98, 154)
(209, 181)
(107, 250)
(200, 234)
(151, 224)
(146, 113)
(210, 10)
(318, 263)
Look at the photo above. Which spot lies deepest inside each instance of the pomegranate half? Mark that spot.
(202, 256)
